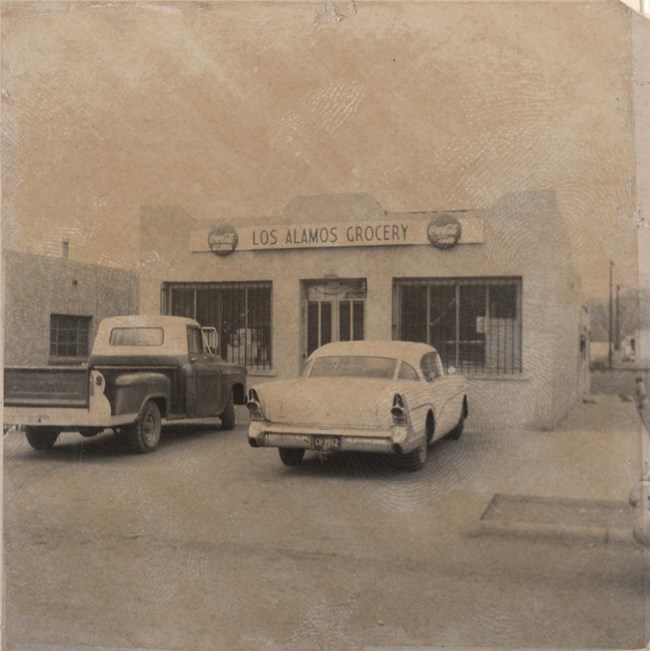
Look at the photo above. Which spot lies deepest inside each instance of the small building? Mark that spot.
(52, 306)
(493, 290)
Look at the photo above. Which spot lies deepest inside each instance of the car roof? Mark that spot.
(408, 351)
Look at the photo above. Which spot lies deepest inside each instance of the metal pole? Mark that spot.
(617, 326)
(609, 342)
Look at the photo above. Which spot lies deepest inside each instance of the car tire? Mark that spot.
(458, 430)
(414, 460)
(291, 456)
(228, 414)
(455, 433)
(88, 432)
(430, 428)
(144, 434)
(41, 439)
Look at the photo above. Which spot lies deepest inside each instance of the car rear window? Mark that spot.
(353, 366)
(136, 337)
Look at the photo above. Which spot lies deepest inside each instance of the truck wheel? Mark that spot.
(291, 456)
(228, 415)
(144, 434)
(41, 439)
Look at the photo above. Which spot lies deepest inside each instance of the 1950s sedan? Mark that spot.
(369, 396)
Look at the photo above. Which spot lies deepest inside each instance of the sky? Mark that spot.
(231, 109)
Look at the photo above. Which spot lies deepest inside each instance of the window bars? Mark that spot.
(474, 323)
(69, 335)
(240, 311)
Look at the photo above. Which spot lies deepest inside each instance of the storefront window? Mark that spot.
(240, 312)
(474, 323)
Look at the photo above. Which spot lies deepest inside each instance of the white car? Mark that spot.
(370, 396)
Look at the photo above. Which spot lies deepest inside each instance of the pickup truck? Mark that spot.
(142, 370)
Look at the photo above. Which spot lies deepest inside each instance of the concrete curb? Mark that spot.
(551, 532)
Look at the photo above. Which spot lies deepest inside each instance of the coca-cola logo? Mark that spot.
(444, 231)
(223, 239)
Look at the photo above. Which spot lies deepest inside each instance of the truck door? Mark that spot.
(204, 381)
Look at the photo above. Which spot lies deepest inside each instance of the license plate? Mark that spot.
(327, 442)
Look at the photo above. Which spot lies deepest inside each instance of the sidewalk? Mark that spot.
(574, 481)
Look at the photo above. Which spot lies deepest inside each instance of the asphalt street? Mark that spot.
(209, 544)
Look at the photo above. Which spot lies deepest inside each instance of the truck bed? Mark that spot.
(46, 386)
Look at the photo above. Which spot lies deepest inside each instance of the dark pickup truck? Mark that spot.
(142, 370)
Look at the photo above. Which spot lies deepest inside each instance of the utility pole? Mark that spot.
(611, 309)
(617, 323)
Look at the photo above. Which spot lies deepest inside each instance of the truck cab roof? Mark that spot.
(142, 336)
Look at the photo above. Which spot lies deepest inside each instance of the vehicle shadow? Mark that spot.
(365, 465)
(108, 445)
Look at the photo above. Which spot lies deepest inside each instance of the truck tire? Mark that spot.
(144, 434)
(228, 414)
(41, 439)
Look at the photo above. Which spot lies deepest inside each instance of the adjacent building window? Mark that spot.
(240, 312)
(474, 323)
(69, 335)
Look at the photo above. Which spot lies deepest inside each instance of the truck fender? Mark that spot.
(130, 391)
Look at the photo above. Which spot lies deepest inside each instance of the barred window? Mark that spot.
(474, 323)
(240, 312)
(69, 335)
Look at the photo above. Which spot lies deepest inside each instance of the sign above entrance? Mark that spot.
(442, 231)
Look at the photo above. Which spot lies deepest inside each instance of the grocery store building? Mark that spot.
(493, 290)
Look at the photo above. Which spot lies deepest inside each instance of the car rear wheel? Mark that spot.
(41, 439)
(414, 460)
(291, 456)
(144, 434)
(228, 414)
(429, 428)
(458, 430)
(88, 432)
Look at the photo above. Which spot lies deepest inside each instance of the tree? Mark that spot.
(628, 314)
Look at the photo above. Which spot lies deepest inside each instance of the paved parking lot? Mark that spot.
(209, 544)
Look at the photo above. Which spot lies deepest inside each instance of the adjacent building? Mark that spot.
(52, 306)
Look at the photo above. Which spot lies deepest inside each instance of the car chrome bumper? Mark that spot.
(393, 440)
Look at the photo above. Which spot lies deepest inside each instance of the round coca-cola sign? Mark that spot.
(223, 239)
(444, 231)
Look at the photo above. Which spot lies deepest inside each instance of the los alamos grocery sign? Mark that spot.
(442, 231)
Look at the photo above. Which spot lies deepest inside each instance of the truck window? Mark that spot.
(194, 341)
(136, 337)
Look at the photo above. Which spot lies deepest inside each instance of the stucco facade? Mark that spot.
(37, 287)
(521, 240)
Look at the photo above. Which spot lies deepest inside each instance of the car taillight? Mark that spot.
(398, 410)
(254, 406)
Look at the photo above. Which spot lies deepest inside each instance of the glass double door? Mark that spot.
(333, 310)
